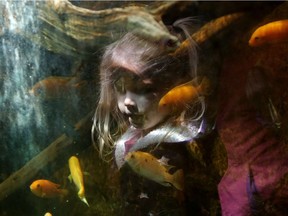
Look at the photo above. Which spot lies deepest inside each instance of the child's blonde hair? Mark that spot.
(146, 59)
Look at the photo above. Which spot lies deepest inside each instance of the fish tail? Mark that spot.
(64, 192)
(178, 180)
(83, 199)
(81, 195)
(81, 192)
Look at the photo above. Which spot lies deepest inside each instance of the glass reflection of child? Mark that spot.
(135, 75)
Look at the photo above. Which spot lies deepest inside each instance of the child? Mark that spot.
(135, 75)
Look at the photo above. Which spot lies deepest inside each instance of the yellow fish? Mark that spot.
(47, 189)
(180, 96)
(76, 176)
(271, 33)
(151, 168)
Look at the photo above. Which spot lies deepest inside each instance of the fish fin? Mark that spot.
(57, 185)
(169, 167)
(86, 173)
(85, 201)
(192, 82)
(274, 114)
(80, 84)
(178, 180)
(163, 161)
(70, 178)
(255, 201)
(72, 81)
(166, 183)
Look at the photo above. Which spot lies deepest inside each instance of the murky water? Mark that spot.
(19, 69)
(23, 116)
(32, 120)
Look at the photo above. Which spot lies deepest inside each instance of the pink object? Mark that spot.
(248, 144)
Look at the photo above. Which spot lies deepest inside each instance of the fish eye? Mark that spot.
(257, 38)
(39, 91)
(38, 185)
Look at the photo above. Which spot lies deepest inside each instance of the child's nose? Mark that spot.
(130, 104)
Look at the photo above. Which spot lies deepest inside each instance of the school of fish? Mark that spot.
(46, 189)
(148, 166)
(176, 99)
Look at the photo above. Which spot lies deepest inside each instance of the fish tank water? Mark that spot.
(73, 144)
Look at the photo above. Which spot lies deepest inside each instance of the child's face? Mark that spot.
(138, 100)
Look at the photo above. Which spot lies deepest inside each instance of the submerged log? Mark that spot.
(67, 29)
(50, 154)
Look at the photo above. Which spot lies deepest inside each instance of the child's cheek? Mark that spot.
(120, 104)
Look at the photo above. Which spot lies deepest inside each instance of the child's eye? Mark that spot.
(119, 86)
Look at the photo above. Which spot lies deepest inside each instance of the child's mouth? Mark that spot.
(136, 120)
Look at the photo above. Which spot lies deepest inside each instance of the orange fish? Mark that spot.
(271, 33)
(47, 189)
(150, 167)
(180, 96)
(54, 87)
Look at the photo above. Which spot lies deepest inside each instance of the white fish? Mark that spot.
(77, 176)
(149, 167)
